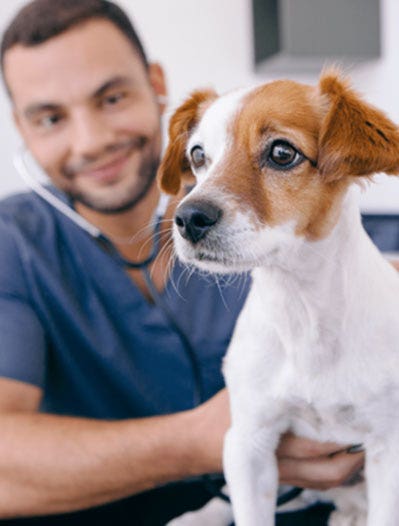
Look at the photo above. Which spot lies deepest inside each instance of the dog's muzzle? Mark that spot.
(194, 219)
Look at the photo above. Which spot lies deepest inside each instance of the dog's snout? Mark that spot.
(195, 219)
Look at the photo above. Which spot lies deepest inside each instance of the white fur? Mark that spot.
(212, 131)
(324, 363)
(315, 350)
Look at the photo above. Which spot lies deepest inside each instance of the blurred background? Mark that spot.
(231, 43)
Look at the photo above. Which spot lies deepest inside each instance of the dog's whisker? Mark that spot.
(168, 245)
(153, 239)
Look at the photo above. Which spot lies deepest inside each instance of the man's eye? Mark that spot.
(113, 99)
(283, 156)
(49, 121)
(197, 156)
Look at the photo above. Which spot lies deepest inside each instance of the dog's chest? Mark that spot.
(321, 402)
(337, 422)
(309, 381)
(311, 364)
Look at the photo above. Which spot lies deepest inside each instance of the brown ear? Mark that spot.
(174, 165)
(355, 138)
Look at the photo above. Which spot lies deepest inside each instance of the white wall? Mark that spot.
(209, 43)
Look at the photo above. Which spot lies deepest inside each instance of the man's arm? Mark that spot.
(54, 464)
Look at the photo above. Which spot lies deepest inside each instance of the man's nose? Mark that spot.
(194, 219)
(90, 135)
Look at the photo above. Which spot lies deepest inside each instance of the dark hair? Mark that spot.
(41, 20)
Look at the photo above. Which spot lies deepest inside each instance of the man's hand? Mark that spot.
(309, 464)
(304, 463)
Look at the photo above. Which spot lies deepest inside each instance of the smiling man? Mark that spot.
(99, 398)
(102, 130)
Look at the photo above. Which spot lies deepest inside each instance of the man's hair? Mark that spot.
(41, 20)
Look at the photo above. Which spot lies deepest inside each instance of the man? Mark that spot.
(99, 391)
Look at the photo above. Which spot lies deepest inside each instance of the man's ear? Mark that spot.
(17, 121)
(157, 78)
(355, 138)
(174, 165)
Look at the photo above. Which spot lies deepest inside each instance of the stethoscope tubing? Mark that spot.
(24, 165)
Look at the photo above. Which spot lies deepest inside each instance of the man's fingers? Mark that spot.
(295, 447)
(320, 473)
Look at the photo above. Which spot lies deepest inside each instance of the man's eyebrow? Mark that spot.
(39, 107)
(114, 82)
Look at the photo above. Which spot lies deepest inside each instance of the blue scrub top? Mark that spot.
(73, 322)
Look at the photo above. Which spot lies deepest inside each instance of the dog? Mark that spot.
(315, 350)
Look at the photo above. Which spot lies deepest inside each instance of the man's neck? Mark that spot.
(130, 229)
(132, 233)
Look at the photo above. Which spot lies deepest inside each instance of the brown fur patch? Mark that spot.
(299, 114)
(355, 138)
(174, 166)
(290, 111)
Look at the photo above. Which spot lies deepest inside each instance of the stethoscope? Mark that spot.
(32, 175)
(26, 166)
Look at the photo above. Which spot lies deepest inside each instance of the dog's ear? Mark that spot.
(175, 166)
(355, 138)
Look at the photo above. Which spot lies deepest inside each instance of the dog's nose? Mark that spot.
(195, 219)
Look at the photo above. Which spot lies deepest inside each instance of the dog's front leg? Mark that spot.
(251, 473)
(382, 476)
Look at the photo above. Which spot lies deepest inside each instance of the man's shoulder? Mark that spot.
(12, 205)
(24, 212)
(32, 240)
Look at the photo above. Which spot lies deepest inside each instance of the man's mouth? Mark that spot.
(108, 169)
(107, 172)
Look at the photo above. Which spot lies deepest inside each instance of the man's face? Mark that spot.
(86, 108)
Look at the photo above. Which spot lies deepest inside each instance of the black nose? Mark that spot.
(195, 218)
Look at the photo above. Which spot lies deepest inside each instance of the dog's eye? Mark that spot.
(283, 156)
(198, 157)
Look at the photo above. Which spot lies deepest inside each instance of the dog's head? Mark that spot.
(269, 163)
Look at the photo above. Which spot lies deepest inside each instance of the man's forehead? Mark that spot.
(79, 60)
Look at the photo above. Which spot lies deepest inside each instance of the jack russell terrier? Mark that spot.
(316, 347)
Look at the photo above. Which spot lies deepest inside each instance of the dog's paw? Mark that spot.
(338, 518)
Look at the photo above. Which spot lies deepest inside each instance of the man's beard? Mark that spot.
(139, 187)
